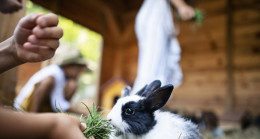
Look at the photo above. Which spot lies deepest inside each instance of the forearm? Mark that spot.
(24, 125)
(42, 93)
(8, 57)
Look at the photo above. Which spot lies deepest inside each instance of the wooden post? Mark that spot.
(229, 53)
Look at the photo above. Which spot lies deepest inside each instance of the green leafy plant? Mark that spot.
(97, 127)
(199, 16)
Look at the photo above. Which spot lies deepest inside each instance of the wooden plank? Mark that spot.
(246, 16)
(247, 55)
(205, 61)
(243, 4)
(195, 106)
(247, 62)
(197, 85)
(247, 88)
(200, 91)
(247, 46)
(214, 24)
(247, 31)
(247, 83)
(212, 31)
(212, 7)
(203, 47)
(211, 36)
(247, 52)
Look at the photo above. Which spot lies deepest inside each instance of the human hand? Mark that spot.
(36, 37)
(186, 12)
(10, 6)
(67, 127)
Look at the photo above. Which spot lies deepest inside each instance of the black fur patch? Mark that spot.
(141, 121)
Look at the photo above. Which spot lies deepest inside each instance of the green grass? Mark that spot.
(97, 127)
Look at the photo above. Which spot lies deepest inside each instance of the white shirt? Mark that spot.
(159, 50)
(57, 98)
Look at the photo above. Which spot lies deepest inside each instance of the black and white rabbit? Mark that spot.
(138, 116)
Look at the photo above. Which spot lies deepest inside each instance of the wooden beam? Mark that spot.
(107, 18)
(229, 55)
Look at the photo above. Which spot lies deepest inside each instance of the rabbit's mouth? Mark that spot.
(117, 131)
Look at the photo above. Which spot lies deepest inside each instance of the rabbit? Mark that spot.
(138, 116)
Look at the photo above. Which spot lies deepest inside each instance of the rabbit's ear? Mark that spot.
(158, 99)
(140, 92)
(126, 91)
(152, 87)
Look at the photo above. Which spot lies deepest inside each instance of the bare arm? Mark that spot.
(35, 39)
(186, 12)
(69, 90)
(19, 125)
(8, 59)
(42, 93)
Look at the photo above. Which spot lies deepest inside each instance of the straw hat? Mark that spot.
(68, 55)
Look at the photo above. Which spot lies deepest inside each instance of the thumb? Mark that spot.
(83, 126)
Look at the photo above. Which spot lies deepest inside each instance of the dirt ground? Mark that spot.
(250, 133)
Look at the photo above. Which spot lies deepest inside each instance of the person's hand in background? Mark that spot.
(185, 11)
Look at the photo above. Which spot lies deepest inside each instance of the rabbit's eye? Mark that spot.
(129, 111)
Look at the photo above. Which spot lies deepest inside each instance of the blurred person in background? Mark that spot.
(52, 88)
(159, 49)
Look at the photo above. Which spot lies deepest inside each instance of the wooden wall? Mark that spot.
(203, 61)
(206, 58)
(246, 55)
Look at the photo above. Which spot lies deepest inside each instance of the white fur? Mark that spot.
(115, 113)
(168, 126)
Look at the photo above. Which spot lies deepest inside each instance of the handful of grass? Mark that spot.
(198, 17)
(97, 127)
